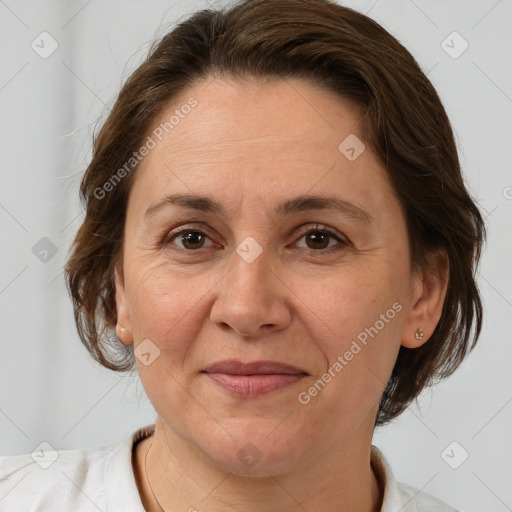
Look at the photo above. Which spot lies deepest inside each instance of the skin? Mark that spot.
(250, 147)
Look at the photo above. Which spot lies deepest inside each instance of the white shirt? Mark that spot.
(102, 480)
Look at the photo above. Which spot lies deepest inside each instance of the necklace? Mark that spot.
(147, 478)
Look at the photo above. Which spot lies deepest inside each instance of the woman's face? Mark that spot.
(324, 286)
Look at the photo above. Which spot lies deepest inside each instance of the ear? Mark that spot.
(124, 324)
(428, 293)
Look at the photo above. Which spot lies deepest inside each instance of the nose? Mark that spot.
(252, 298)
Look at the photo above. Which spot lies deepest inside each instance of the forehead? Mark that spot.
(255, 138)
(275, 115)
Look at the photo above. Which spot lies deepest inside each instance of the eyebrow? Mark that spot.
(291, 206)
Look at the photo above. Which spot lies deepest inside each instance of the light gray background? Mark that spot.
(49, 387)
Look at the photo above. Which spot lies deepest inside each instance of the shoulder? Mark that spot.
(421, 501)
(88, 480)
(43, 480)
(399, 496)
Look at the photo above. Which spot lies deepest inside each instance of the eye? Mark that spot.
(319, 238)
(192, 239)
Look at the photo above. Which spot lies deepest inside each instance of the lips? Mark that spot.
(254, 378)
(235, 367)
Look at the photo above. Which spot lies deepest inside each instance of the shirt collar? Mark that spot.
(384, 474)
(121, 489)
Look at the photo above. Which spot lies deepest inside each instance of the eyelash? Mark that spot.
(317, 229)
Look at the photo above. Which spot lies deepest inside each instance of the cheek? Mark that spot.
(166, 309)
(359, 321)
(161, 301)
(348, 302)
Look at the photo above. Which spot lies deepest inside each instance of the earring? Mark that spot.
(419, 333)
(120, 327)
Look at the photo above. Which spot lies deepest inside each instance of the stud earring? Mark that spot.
(419, 333)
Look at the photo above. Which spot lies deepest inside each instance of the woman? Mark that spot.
(277, 235)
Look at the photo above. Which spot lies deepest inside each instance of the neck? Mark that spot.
(173, 475)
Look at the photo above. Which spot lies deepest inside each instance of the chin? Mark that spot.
(255, 451)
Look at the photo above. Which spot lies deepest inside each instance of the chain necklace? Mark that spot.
(147, 478)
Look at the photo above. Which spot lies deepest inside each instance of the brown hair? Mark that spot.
(405, 124)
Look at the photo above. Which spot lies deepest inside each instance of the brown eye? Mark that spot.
(318, 240)
(190, 239)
